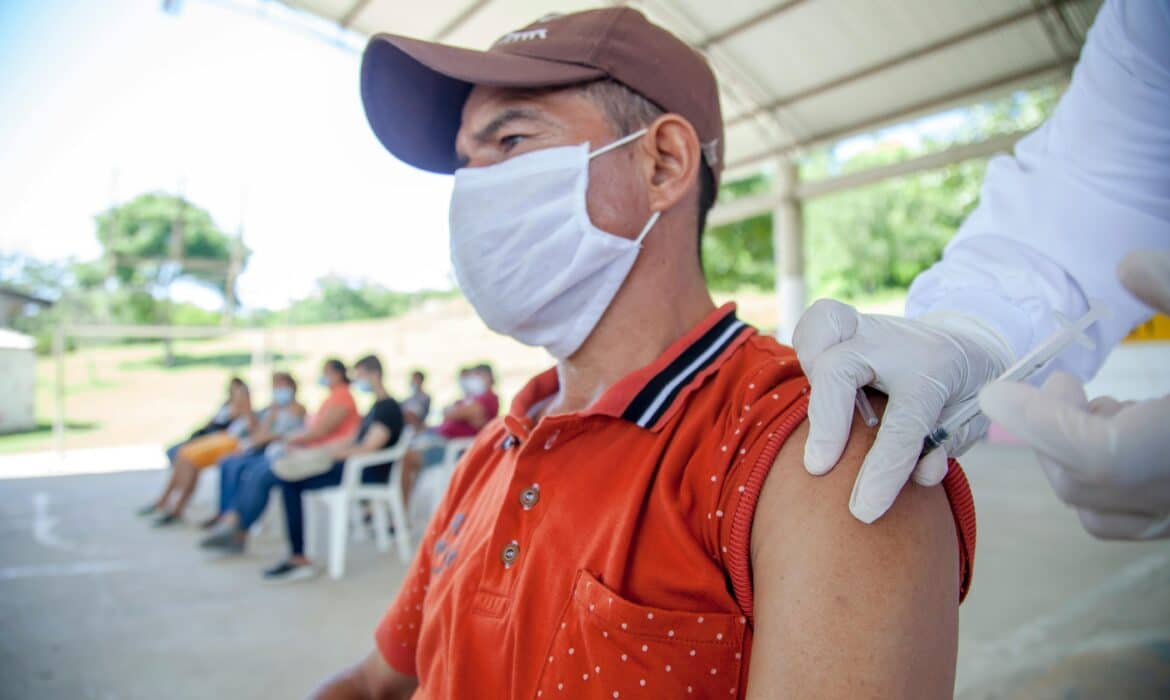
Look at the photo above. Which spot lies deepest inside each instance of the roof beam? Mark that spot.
(910, 110)
(747, 24)
(352, 13)
(459, 20)
(905, 57)
(747, 207)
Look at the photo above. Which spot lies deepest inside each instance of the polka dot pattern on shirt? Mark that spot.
(609, 647)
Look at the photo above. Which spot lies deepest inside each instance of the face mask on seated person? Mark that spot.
(526, 254)
(363, 385)
(282, 396)
(474, 386)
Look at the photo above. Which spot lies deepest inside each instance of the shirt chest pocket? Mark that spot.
(608, 647)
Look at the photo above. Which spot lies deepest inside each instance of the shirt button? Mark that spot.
(509, 553)
(529, 497)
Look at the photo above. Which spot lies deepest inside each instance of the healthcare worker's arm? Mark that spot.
(1108, 459)
(1090, 185)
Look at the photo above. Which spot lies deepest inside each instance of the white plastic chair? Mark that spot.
(385, 499)
(454, 450)
(431, 485)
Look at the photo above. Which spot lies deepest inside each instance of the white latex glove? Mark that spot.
(1109, 460)
(928, 366)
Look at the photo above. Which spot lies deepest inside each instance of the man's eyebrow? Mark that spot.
(509, 115)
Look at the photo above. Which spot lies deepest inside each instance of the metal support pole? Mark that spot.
(59, 391)
(788, 247)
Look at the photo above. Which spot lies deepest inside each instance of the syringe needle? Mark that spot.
(865, 408)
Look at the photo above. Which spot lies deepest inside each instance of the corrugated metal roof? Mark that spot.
(797, 73)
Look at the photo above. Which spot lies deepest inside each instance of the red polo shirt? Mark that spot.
(605, 553)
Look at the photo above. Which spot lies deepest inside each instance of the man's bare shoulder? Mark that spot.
(855, 610)
(791, 496)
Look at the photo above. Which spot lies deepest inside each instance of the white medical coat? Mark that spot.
(1087, 187)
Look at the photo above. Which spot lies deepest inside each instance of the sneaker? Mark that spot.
(286, 572)
(227, 542)
(146, 510)
(210, 522)
(167, 520)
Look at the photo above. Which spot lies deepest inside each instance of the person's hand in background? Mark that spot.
(1108, 459)
(929, 367)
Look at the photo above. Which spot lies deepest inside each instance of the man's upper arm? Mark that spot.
(844, 609)
(370, 678)
(376, 438)
(471, 411)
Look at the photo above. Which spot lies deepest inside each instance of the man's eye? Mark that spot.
(510, 141)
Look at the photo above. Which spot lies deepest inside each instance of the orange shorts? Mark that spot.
(207, 450)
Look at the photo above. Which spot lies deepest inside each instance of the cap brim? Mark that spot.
(413, 92)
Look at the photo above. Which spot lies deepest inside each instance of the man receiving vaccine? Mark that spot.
(639, 523)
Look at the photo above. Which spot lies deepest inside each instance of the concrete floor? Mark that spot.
(95, 604)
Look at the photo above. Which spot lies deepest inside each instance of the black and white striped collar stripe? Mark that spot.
(658, 395)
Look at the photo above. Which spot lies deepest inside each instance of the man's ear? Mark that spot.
(673, 148)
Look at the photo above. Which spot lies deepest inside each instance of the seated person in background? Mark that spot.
(464, 418)
(281, 418)
(337, 418)
(201, 452)
(381, 428)
(220, 420)
(334, 423)
(417, 406)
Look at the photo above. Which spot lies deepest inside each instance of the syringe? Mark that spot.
(1028, 365)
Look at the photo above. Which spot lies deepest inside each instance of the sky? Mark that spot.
(256, 121)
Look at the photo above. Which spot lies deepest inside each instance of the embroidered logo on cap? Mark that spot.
(526, 35)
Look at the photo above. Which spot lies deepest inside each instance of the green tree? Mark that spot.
(877, 238)
(339, 299)
(139, 240)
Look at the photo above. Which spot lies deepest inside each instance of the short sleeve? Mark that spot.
(772, 407)
(397, 633)
(490, 403)
(774, 403)
(388, 413)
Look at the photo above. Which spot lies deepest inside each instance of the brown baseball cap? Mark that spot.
(413, 91)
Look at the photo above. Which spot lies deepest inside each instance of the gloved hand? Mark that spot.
(1109, 460)
(929, 367)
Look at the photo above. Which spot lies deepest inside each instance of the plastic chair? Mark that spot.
(454, 450)
(430, 486)
(385, 500)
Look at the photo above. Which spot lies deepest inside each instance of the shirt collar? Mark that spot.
(649, 396)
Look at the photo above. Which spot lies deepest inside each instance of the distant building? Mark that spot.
(18, 364)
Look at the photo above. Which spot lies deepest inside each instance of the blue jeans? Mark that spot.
(251, 497)
(231, 470)
(291, 491)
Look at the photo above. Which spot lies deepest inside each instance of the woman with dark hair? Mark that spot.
(284, 416)
(204, 449)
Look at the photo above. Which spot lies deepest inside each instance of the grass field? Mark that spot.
(124, 394)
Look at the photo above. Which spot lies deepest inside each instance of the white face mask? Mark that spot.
(474, 386)
(525, 253)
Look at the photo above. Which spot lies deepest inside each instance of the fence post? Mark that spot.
(59, 390)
